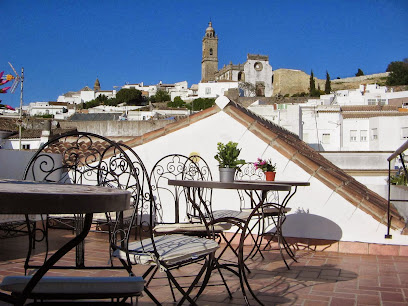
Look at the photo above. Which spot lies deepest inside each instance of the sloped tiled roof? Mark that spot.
(82, 149)
(366, 108)
(370, 111)
(352, 115)
(298, 152)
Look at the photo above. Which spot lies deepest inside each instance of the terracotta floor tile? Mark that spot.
(363, 299)
(392, 297)
(342, 302)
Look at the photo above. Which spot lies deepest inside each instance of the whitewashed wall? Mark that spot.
(265, 75)
(213, 90)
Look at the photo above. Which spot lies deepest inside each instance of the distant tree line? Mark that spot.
(196, 105)
(398, 76)
(132, 96)
(127, 96)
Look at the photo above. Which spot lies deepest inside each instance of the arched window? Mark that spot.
(211, 51)
(241, 76)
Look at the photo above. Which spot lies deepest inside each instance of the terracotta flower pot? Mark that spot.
(270, 176)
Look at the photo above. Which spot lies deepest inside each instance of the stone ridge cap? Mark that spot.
(261, 119)
(349, 186)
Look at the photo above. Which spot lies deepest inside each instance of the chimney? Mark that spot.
(46, 133)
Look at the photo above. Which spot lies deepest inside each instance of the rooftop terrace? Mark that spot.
(318, 278)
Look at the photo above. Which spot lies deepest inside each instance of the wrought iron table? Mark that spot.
(262, 186)
(27, 197)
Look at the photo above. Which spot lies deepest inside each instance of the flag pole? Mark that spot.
(21, 108)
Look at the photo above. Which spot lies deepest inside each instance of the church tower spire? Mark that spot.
(97, 85)
(209, 62)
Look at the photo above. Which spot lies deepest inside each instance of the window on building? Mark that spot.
(211, 51)
(404, 133)
(25, 147)
(326, 138)
(208, 90)
(374, 134)
(363, 135)
(381, 101)
(372, 101)
(353, 135)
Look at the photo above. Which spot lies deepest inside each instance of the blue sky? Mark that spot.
(65, 45)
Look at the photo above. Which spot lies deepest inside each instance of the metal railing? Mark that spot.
(399, 152)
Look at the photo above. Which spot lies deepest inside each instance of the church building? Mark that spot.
(256, 73)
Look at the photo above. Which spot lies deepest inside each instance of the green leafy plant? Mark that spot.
(228, 154)
(399, 179)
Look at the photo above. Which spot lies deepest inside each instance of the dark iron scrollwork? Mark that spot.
(77, 158)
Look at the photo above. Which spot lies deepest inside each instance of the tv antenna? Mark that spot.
(18, 79)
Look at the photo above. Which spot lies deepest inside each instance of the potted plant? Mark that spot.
(267, 167)
(227, 157)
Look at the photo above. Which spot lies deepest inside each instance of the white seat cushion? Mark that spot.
(275, 211)
(242, 215)
(172, 249)
(189, 228)
(76, 285)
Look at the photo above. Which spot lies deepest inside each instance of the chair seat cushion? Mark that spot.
(242, 215)
(77, 285)
(172, 249)
(274, 211)
(188, 228)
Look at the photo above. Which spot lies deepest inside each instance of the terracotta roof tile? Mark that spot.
(365, 108)
(352, 115)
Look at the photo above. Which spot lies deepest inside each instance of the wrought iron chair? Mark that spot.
(89, 159)
(273, 213)
(162, 242)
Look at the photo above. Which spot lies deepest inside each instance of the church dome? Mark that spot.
(209, 32)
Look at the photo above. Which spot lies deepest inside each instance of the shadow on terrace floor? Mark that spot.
(316, 279)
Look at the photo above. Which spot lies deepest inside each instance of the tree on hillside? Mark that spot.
(312, 86)
(202, 103)
(160, 96)
(101, 99)
(327, 86)
(313, 91)
(130, 96)
(398, 73)
(177, 103)
(359, 72)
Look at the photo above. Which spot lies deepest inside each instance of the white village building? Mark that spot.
(86, 94)
(365, 119)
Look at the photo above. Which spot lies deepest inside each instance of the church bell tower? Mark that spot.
(209, 63)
